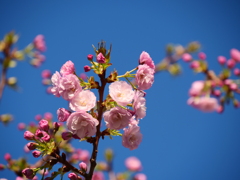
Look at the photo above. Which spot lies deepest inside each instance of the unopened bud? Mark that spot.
(108, 155)
(83, 166)
(222, 60)
(66, 135)
(202, 56)
(87, 68)
(90, 57)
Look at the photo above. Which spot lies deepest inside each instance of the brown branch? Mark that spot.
(93, 159)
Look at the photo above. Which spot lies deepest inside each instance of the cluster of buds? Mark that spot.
(212, 94)
(173, 54)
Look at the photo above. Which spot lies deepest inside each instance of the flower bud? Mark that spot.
(231, 63)
(66, 135)
(87, 68)
(63, 114)
(72, 176)
(56, 126)
(46, 74)
(233, 86)
(140, 176)
(38, 117)
(195, 65)
(29, 173)
(46, 138)
(235, 54)
(39, 133)
(108, 155)
(236, 72)
(7, 157)
(217, 92)
(186, 57)
(2, 167)
(28, 135)
(21, 126)
(90, 57)
(100, 58)
(31, 145)
(83, 166)
(222, 60)
(43, 124)
(202, 55)
(36, 154)
(48, 116)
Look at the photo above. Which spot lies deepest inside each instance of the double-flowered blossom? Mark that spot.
(67, 68)
(205, 104)
(144, 77)
(82, 124)
(121, 92)
(146, 59)
(83, 101)
(39, 43)
(117, 118)
(131, 137)
(139, 105)
(196, 88)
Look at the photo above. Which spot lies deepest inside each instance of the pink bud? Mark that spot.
(228, 82)
(217, 92)
(90, 57)
(83, 76)
(220, 109)
(36, 154)
(46, 74)
(235, 54)
(195, 65)
(1, 167)
(84, 155)
(133, 164)
(66, 135)
(28, 135)
(63, 114)
(46, 138)
(236, 72)
(222, 60)
(39, 133)
(43, 125)
(100, 58)
(87, 68)
(231, 63)
(21, 126)
(56, 125)
(72, 176)
(31, 145)
(48, 116)
(38, 117)
(7, 157)
(140, 176)
(19, 178)
(83, 166)
(202, 55)
(233, 86)
(39, 43)
(186, 57)
(29, 173)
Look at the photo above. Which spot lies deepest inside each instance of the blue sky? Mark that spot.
(179, 142)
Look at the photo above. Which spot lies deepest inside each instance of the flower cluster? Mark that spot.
(212, 94)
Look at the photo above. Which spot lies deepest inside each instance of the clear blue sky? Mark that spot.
(179, 142)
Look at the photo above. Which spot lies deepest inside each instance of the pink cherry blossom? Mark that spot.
(121, 92)
(186, 57)
(146, 59)
(67, 68)
(117, 118)
(69, 86)
(83, 101)
(43, 125)
(205, 104)
(231, 63)
(98, 175)
(202, 55)
(139, 105)
(196, 88)
(140, 176)
(39, 43)
(144, 77)
(131, 137)
(222, 60)
(46, 73)
(63, 114)
(56, 77)
(133, 164)
(82, 124)
(235, 54)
